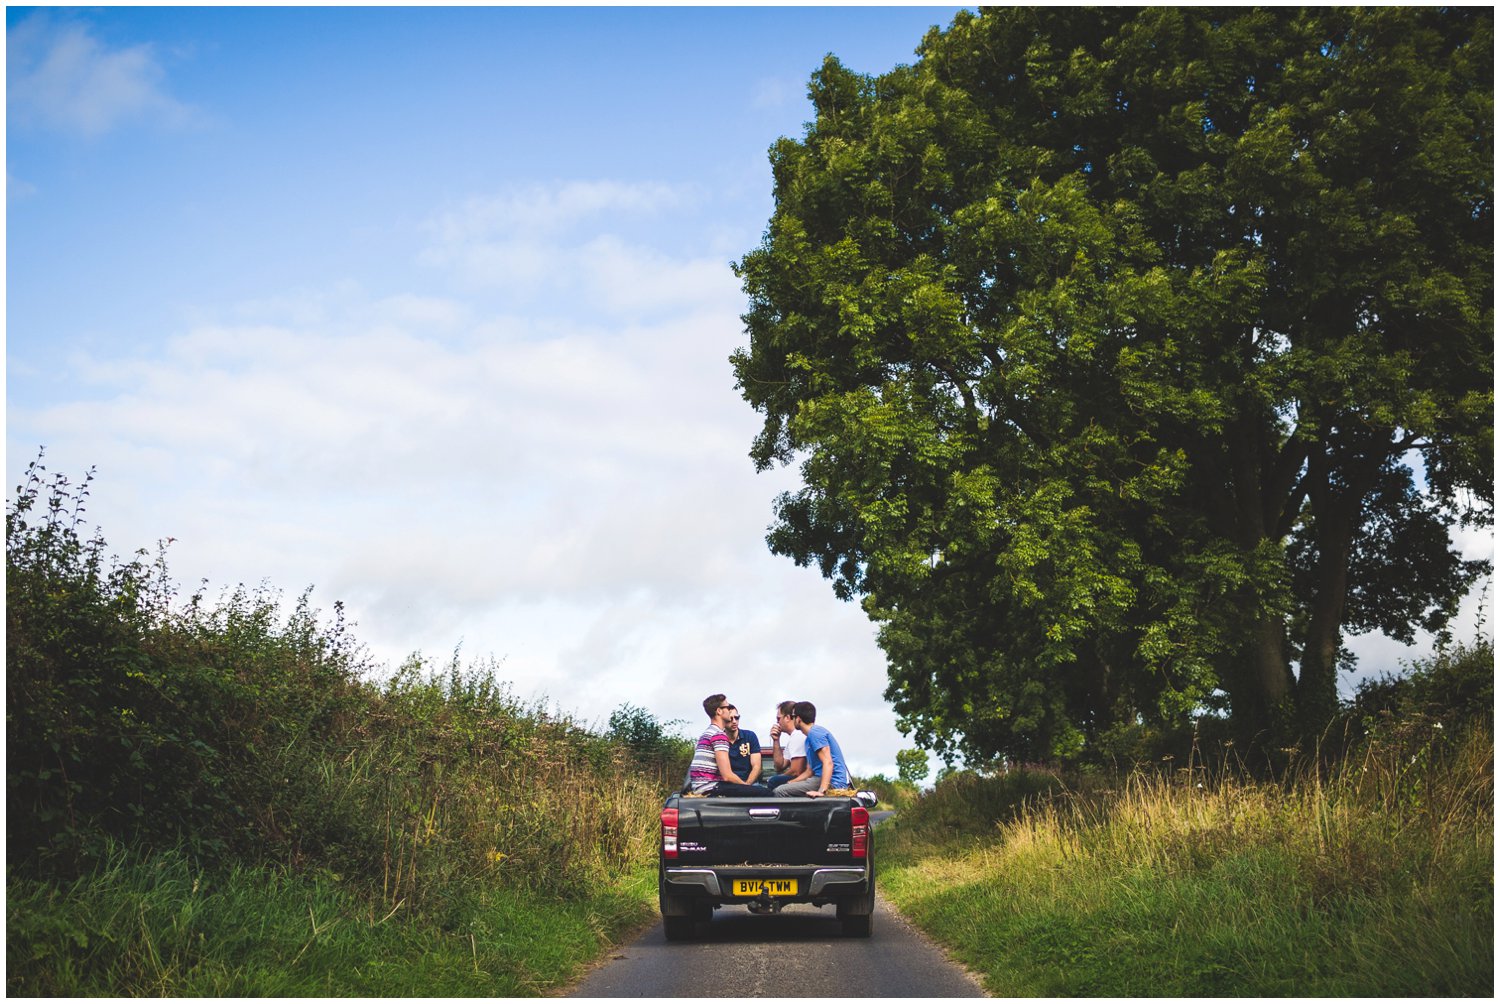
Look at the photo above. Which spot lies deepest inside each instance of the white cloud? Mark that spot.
(551, 209)
(60, 77)
(536, 244)
(630, 279)
(571, 496)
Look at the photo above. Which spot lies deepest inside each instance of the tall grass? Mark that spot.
(181, 773)
(162, 925)
(1374, 878)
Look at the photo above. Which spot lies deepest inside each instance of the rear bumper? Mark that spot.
(819, 883)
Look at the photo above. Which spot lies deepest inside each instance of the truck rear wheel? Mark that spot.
(857, 925)
(858, 915)
(679, 928)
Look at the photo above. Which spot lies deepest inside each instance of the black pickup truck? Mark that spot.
(763, 853)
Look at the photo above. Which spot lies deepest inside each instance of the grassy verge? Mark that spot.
(158, 925)
(1376, 880)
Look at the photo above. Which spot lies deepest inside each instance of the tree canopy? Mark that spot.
(1132, 357)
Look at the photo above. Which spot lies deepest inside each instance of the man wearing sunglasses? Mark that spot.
(789, 747)
(744, 748)
(710, 772)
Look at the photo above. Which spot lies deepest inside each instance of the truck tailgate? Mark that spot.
(792, 831)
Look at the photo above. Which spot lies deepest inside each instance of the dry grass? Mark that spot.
(1372, 878)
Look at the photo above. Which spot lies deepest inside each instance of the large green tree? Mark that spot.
(1131, 357)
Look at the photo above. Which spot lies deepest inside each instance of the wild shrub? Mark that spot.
(658, 750)
(1454, 687)
(967, 802)
(100, 739)
(131, 720)
(241, 732)
(487, 789)
(893, 793)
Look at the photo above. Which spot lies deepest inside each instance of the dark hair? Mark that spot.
(786, 708)
(806, 712)
(712, 703)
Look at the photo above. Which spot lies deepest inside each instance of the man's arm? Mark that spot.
(754, 768)
(726, 773)
(826, 759)
(777, 756)
(797, 768)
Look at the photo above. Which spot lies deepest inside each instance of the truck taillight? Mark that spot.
(669, 833)
(860, 816)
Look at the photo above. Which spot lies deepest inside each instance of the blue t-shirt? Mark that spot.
(817, 738)
(740, 749)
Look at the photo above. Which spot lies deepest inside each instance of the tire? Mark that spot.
(672, 905)
(857, 925)
(679, 928)
(858, 916)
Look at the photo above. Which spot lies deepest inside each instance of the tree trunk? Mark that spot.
(1317, 683)
(1262, 696)
(1336, 506)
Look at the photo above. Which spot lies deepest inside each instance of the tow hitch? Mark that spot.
(764, 903)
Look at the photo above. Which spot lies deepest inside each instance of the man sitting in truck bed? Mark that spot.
(710, 772)
(823, 756)
(744, 749)
(788, 747)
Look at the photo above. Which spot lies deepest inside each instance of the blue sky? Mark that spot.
(431, 310)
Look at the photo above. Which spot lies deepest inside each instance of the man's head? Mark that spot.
(786, 715)
(805, 712)
(731, 720)
(713, 704)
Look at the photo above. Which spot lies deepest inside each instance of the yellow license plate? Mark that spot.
(776, 887)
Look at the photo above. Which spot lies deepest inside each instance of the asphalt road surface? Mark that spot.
(800, 952)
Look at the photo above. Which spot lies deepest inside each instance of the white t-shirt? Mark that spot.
(793, 744)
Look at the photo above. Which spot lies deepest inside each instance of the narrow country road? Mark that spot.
(800, 952)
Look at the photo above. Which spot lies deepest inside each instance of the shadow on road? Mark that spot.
(797, 922)
(802, 950)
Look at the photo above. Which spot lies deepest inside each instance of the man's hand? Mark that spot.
(726, 773)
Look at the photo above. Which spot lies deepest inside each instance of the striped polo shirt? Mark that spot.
(703, 774)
